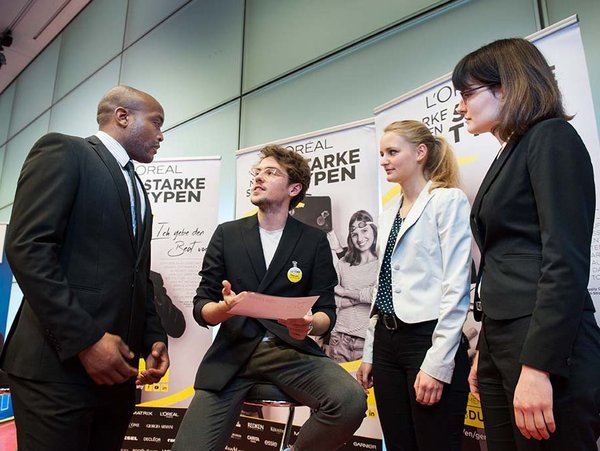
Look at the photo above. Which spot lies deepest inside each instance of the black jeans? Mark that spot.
(406, 424)
(576, 399)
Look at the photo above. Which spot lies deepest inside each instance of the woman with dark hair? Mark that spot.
(415, 355)
(537, 371)
(357, 274)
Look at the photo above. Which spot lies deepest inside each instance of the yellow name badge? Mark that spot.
(294, 274)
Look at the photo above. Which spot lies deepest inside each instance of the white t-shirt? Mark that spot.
(270, 241)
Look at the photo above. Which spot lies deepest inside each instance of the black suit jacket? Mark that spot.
(235, 254)
(533, 219)
(71, 247)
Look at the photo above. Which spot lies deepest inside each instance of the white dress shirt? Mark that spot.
(122, 157)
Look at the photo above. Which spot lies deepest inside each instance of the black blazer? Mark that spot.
(532, 220)
(235, 254)
(71, 247)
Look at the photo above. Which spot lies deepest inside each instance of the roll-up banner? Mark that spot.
(343, 195)
(184, 195)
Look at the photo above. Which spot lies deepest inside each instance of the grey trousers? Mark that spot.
(337, 400)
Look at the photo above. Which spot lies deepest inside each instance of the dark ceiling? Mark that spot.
(34, 24)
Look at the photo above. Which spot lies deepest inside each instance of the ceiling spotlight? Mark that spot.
(6, 38)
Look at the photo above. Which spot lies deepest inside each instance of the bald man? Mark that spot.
(79, 246)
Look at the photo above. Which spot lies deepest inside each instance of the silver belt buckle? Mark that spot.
(389, 321)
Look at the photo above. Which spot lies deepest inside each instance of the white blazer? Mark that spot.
(431, 267)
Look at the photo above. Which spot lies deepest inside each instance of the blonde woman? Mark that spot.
(415, 354)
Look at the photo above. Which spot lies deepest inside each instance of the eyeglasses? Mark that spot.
(360, 225)
(467, 93)
(268, 172)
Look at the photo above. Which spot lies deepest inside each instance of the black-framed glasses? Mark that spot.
(467, 93)
(360, 225)
(268, 172)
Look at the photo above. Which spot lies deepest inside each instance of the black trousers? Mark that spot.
(406, 424)
(70, 417)
(576, 400)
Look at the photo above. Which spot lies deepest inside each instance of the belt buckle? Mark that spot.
(389, 321)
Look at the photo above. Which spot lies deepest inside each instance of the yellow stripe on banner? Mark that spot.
(352, 367)
(473, 415)
(393, 192)
(170, 400)
(250, 213)
(255, 211)
(467, 160)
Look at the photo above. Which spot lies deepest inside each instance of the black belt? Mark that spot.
(390, 322)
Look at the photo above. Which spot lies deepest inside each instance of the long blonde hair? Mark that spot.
(440, 166)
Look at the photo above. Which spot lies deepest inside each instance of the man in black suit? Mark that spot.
(274, 254)
(79, 246)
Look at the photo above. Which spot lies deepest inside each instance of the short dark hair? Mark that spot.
(295, 165)
(516, 66)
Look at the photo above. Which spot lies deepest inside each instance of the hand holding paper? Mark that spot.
(298, 328)
(264, 306)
